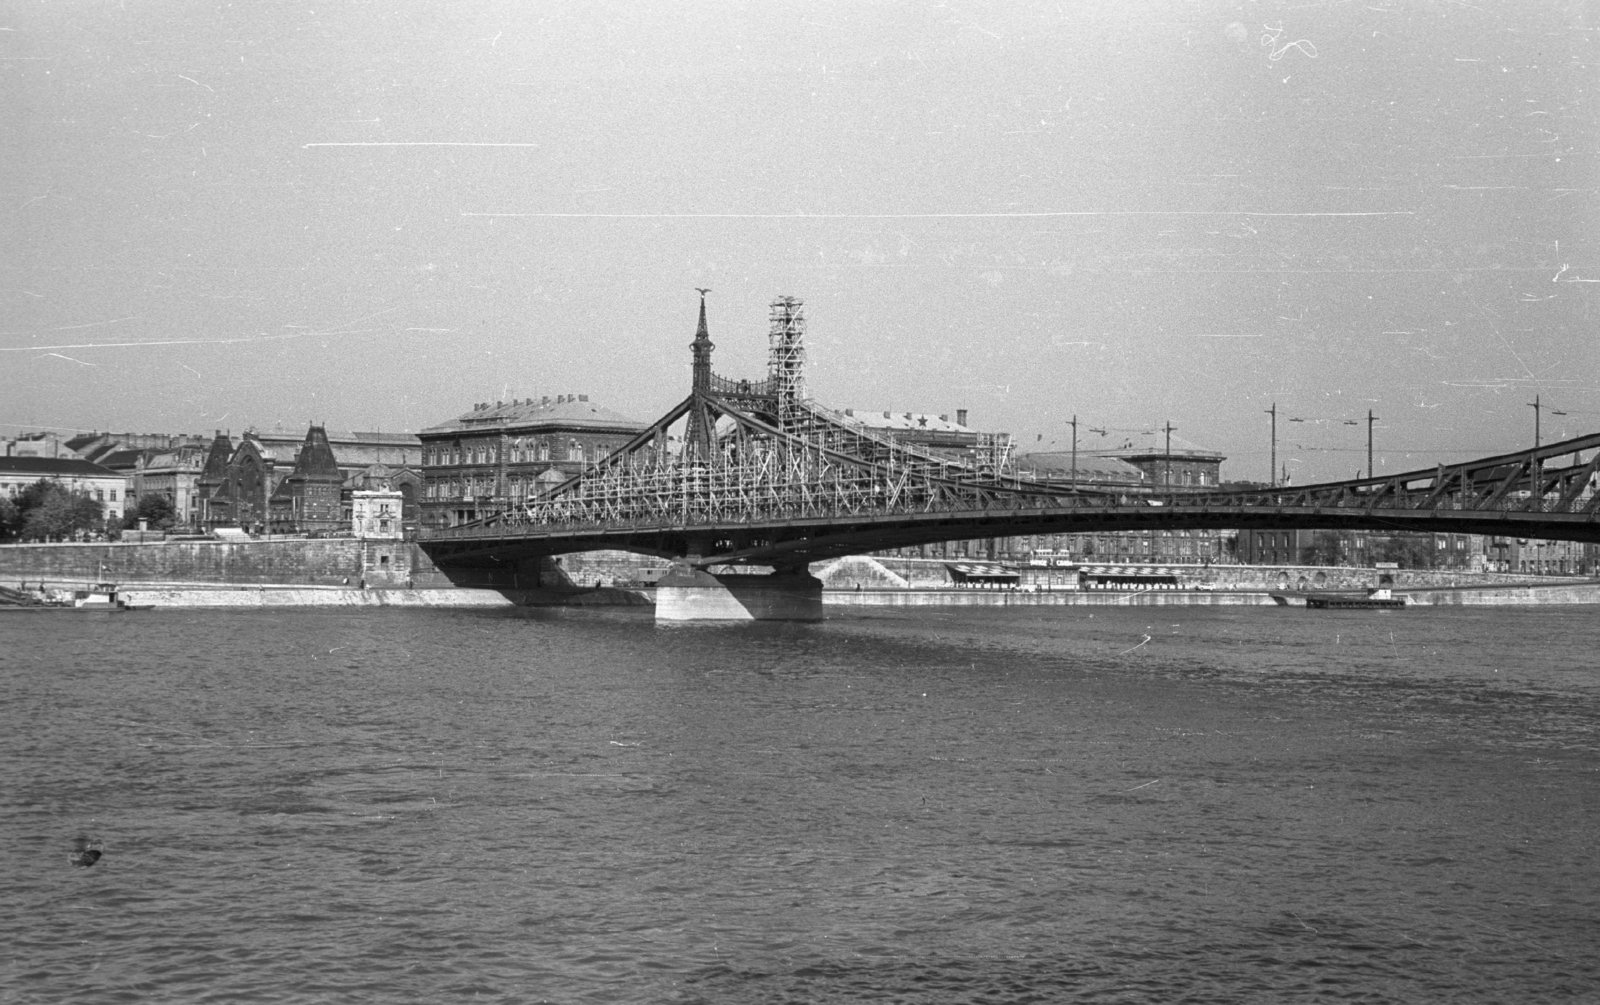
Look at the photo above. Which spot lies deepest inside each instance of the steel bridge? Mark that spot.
(763, 475)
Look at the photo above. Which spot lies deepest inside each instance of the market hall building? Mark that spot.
(270, 483)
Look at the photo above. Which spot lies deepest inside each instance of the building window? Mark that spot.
(544, 450)
(113, 495)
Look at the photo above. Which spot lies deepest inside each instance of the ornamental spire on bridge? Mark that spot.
(698, 437)
(702, 346)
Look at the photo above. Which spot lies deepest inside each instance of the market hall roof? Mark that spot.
(565, 411)
(353, 449)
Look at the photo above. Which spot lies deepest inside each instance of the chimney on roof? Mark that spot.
(961, 416)
(944, 417)
(583, 397)
(885, 415)
(545, 400)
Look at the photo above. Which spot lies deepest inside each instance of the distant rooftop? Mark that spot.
(334, 436)
(1091, 467)
(562, 410)
(54, 466)
(1124, 445)
(910, 421)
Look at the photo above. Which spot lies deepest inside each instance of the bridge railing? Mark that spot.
(743, 388)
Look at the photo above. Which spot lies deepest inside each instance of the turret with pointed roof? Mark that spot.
(214, 511)
(309, 499)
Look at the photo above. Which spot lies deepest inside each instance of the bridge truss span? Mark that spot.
(763, 475)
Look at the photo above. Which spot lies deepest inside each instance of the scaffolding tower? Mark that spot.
(786, 359)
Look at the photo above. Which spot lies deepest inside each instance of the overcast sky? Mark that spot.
(374, 214)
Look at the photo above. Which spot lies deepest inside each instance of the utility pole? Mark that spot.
(1535, 476)
(1370, 420)
(1074, 450)
(1170, 428)
(1272, 468)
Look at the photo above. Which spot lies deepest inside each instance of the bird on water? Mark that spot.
(84, 853)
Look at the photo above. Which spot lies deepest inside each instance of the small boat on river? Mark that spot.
(96, 597)
(1379, 598)
(99, 597)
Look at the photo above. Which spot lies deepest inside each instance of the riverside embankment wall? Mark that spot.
(306, 596)
(307, 561)
(877, 572)
(396, 565)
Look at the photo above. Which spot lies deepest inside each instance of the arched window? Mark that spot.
(544, 450)
(574, 451)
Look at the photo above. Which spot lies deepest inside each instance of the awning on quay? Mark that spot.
(982, 572)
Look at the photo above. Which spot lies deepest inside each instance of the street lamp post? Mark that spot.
(1535, 472)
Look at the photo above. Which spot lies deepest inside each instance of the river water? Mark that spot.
(1057, 804)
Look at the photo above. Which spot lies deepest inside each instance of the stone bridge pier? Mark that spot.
(689, 593)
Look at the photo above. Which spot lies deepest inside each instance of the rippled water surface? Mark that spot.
(963, 805)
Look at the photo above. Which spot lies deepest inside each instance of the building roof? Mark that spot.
(919, 422)
(339, 438)
(55, 467)
(126, 459)
(315, 459)
(185, 458)
(1092, 467)
(562, 412)
(91, 443)
(216, 466)
(1152, 443)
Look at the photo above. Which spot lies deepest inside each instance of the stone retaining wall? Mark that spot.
(394, 564)
(309, 561)
(310, 597)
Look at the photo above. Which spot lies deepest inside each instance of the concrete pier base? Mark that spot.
(689, 594)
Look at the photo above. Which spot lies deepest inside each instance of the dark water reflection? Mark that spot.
(973, 805)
